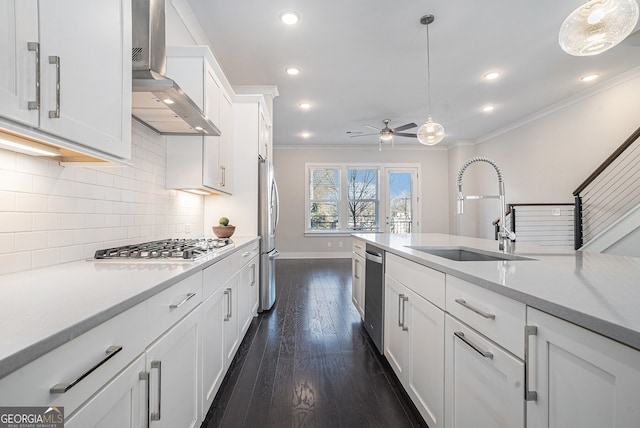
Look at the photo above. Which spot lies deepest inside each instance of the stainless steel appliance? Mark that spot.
(268, 216)
(157, 100)
(374, 295)
(166, 249)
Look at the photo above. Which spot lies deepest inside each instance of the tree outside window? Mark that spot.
(362, 198)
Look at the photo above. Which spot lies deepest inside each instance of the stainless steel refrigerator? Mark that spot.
(267, 224)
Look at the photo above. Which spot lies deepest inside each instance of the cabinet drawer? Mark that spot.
(426, 282)
(168, 307)
(121, 338)
(221, 271)
(358, 247)
(497, 317)
(249, 252)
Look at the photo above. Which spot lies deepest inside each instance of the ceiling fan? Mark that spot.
(388, 133)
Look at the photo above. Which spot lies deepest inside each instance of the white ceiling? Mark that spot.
(363, 61)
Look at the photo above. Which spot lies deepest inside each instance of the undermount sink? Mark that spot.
(462, 254)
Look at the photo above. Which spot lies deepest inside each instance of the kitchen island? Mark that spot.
(538, 337)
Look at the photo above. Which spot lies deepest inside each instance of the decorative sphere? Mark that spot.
(430, 133)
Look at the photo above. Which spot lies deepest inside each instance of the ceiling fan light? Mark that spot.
(386, 136)
(430, 133)
(597, 26)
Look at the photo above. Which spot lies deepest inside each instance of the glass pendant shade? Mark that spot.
(597, 25)
(430, 132)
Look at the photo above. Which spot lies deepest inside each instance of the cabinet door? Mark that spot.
(172, 363)
(121, 403)
(425, 381)
(231, 320)
(357, 283)
(581, 379)
(484, 384)
(225, 149)
(396, 338)
(92, 43)
(247, 299)
(214, 311)
(18, 60)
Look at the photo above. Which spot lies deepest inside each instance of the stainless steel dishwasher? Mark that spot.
(374, 295)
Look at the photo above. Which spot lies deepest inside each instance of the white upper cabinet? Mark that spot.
(19, 53)
(197, 162)
(67, 72)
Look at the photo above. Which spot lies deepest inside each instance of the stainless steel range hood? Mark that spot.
(157, 100)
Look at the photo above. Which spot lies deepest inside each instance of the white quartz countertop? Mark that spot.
(47, 307)
(596, 291)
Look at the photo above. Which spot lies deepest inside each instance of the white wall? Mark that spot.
(546, 159)
(289, 166)
(50, 214)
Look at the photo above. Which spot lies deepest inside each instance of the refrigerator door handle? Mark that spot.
(277, 206)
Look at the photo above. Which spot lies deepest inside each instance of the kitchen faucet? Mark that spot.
(505, 236)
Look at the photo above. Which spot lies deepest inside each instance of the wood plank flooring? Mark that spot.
(308, 361)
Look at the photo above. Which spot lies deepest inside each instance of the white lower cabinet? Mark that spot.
(414, 347)
(357, 283)
(248, 294)
(172, 365)
(580, 379)
(214, 312)
(121, 403)
(484, 384)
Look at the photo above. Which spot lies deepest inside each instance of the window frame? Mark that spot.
(343, 212)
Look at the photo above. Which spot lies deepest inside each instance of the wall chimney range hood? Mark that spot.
(158, 101)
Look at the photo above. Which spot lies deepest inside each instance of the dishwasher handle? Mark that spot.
(373, 257)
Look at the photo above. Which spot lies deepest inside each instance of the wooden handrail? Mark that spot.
(632, 138)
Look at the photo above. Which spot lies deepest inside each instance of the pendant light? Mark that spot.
(597, 26)
(430, 132)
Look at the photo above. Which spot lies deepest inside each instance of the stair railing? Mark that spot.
(609, 192)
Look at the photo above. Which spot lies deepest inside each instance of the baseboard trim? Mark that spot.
(317, 255)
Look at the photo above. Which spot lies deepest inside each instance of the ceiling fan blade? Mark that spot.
(405, 134)
(373, 127)
(363, 135)
(403, 127)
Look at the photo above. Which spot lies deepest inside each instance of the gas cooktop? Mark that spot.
(166, 249)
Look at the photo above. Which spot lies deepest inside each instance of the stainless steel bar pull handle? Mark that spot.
(405, 299)
(473, 346)
(355, 274)
(55, 114)
(227, 293)
(35, 47)
(529, 330)
(400, 297)
(157, 415)
(177, 305)
(253, 275)
(144, 376)
(476, 310)
(61, 388)
(222, 176)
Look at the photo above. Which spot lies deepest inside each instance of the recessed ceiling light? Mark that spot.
(289, 17)
(305, 135)
(491, 75)
(167, 101)
(293, 71)
(589, 77)
(488, 108)
(305, 106)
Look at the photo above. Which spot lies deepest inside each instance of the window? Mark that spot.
(343, 198)
(324, 198)
(362, 199)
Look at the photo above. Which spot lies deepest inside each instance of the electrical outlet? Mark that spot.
(329, 244)
(340, 244)
(555, 211)
(187, 228)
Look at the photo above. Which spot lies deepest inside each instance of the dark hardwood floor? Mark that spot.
(308, 361)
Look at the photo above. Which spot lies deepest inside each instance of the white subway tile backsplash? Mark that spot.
(51, 214)
(27, 241)
(15, 262)
(15, 222)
